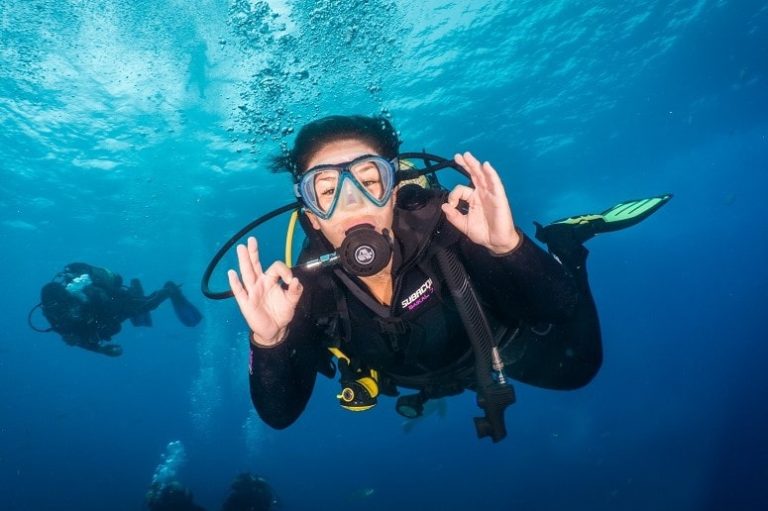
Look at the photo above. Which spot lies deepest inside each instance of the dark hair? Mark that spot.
(378, 132)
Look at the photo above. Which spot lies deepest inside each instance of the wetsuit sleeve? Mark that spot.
(527, 283)
(282, 377)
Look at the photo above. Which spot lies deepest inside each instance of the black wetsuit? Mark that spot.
(94, 315)
(541, 310)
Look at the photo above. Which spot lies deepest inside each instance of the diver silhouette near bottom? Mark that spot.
(248, 492)
(86, 305)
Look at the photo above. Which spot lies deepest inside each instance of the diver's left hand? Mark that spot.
(489, 220)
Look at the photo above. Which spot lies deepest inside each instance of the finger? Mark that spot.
(253, 253)
(246, 267)
(277, 271)
(492, 178)
(459, 192)
(283, 271)
(458, 220)
(453, 216)
(238, 291)
(294, 291)
(473, 166)
(461, 162)
(473, 162)
(466, 161)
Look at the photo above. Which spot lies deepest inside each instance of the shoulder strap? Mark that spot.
(380, 310)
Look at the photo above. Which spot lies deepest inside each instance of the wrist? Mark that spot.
(260, 342)
(513, 243)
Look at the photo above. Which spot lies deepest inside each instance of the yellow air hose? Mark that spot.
(289, 238)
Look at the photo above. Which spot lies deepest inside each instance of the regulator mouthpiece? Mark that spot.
(365, 252)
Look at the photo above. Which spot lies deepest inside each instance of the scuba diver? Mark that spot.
(403, 284)
(172, 496)
(86, 305)
(249, 492)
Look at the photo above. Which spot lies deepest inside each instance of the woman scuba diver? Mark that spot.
(434, 291)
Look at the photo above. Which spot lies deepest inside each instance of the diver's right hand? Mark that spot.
(266, 305)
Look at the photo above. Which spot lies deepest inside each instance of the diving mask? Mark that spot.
(323, 187)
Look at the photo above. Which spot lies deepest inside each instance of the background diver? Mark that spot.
(248, 492)
(86, 305)
(437, 291)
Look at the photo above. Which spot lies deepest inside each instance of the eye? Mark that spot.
(367, 174)
(325, 183)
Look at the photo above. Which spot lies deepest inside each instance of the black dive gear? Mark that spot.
(32, 325)
(323, 261)
(411, 406)
(365, 252)
(494, 394)
(359, 388)
(359, 395)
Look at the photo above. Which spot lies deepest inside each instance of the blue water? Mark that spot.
(134, 135)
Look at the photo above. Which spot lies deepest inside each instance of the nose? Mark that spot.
(351, 197)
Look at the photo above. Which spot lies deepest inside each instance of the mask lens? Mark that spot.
(324, 186)
(371, 177)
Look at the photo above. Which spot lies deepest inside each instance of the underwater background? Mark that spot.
(135, 135)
